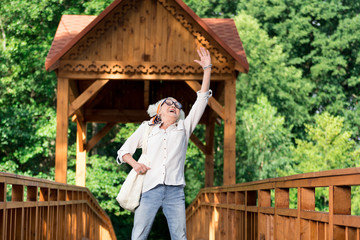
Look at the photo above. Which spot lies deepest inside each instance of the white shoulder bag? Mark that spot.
(129, 195)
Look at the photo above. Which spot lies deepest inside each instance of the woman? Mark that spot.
(167, 144)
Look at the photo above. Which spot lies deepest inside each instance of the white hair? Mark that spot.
(153, 108)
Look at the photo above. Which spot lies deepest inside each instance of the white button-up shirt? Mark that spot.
(166, 149)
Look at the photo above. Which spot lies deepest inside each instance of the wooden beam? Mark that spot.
(86, 95)
(198, 143)
(146, 93)
(61, 130)
(209, 155)
(229, 133)
(115, 115)
(80, 177)
(95, 139)
(239, 67)
(74, 93)
(213, 103)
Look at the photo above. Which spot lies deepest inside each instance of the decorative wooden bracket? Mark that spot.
(79, 114)
(81, 131)
(213, 103)
(198, 143)
(95, 139)
(86, 95)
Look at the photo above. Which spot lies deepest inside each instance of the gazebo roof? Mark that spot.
(73, 27)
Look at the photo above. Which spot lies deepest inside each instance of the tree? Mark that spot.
(271, 75)
(320, 39)
(327, 146)
(265, 140)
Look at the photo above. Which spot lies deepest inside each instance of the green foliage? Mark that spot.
(328, 146)
(213, 8)
(271, 75)
(265, 142)
(320, 39)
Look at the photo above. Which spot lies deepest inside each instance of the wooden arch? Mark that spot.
(111, 66)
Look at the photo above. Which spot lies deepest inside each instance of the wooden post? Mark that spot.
(306, 201)
(281, 201)
(209, 157)
(80, 154)
(264, 200)
(229, 133)
(340, 204)
(61, 130)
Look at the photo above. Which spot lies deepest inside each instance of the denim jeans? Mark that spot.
(172, 201)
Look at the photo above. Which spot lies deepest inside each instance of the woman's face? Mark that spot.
(168, 110)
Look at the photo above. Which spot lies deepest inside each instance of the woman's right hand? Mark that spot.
(140, 168)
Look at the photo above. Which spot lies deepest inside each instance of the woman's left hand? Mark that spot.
(205, 58)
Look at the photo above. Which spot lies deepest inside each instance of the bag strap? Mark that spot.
(145, 138)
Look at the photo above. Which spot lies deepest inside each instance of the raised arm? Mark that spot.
(205, 63)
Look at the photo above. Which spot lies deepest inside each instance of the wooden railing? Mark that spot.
(32, 208)
(248, 211)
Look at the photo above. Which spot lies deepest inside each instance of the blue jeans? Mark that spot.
(172, 201)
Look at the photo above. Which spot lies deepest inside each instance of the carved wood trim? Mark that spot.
(115, 67)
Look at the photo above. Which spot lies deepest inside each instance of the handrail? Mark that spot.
(32, 208)
(247, 210)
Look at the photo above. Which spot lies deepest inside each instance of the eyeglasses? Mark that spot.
(170, 102)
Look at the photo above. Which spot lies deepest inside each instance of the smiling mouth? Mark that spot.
(172, 111)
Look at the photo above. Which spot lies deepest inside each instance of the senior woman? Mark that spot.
(167, 144)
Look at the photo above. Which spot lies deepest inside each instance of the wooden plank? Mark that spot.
(314, 216)
(74, 93)
(198, 143)
(94, 140)
(282, 197)
(331, 212)
(229, 175)
(212, 102)
(116, 115)
(146, 29)
(86, 95)
(164, 15)
(209, 156)
(347, 220)
(342, 200)
(146, 93)
(307, 201)
(80, 175)
(264, 198)
(61, 130)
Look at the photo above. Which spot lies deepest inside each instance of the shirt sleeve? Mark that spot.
(131, 144)
(197, 111)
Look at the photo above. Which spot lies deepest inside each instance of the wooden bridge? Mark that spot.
(248, 211)
(37, 209)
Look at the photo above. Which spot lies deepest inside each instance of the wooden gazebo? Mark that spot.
(110, 67)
